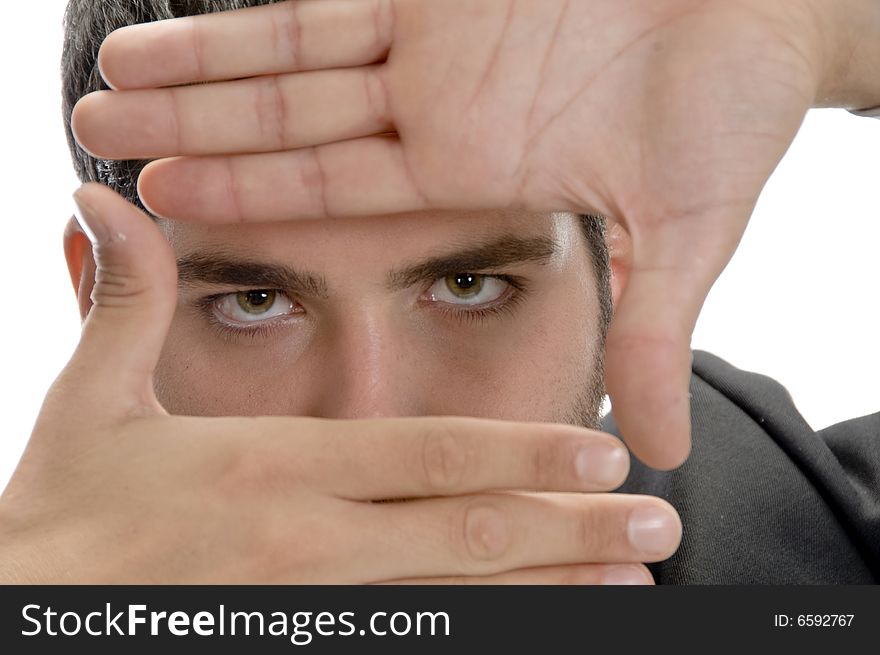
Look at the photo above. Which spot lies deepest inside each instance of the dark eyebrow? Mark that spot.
(207, 268)
(492, 255)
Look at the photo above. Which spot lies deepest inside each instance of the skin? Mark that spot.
(202, 497)
(414, 105)
(366, 350)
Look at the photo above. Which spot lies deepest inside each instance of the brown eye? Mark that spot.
(257, 305)
(256, 302)
(469, 289)
(464, 285)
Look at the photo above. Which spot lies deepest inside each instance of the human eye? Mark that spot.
(467, 289)
(475, 295)
(253, 312)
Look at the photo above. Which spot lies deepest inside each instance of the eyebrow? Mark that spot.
(209, 268)
(213, 268)
(505, 251)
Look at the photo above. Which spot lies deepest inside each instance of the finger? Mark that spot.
(321, 182)
(265, 114)
(134, 299)
(648, 354)
(494, 533)
(283, 37)
(580, 574)
(420, 457)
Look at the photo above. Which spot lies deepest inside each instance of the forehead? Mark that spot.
(388, 239)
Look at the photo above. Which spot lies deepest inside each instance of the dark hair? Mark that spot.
(88, 22)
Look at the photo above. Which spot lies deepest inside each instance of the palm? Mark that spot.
(666, 118)
(667, 115)
(670, 123)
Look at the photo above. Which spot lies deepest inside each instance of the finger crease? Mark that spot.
(294, 35)
(281, 111)
(197, 49)
(232, 191)
(321, 176)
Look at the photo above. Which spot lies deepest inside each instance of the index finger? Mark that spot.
(425, 457)
(284, 37)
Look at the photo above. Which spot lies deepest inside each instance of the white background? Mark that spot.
(799, 301)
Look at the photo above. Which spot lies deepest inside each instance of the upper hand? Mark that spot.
(668, 116)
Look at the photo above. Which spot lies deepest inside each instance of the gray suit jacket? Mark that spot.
(763, 498)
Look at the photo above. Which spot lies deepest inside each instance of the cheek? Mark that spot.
(199, 374)
(533, 365)
(188, 382)
(536, 368)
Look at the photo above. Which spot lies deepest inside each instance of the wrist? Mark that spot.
(849, 51)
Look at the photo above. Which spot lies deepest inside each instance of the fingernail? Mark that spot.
(625, 575)
(653, 531)
(86, 216)
(602, 464)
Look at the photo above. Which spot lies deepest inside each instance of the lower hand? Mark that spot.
(114, 489)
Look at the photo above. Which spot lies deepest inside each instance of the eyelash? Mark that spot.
(506, 305)
(227, 331)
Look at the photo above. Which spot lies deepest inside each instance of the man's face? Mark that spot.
(489, 314)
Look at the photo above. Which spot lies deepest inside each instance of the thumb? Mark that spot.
(648, 353)
(134, 298)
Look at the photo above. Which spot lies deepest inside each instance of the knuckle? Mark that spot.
(271, 112)
(445, 459)
(545, 465)
(484, 533)
(234, 192)
(291, 28)
(553, 458)
(594, 533)
(376, 89)
(197, 38)
(314, 178)
(116, 285)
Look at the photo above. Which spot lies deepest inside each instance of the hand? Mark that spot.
(667, 116)
(113, 489)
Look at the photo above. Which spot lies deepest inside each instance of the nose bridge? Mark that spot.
(368, 375)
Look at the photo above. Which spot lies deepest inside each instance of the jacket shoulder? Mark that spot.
(763, 498)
